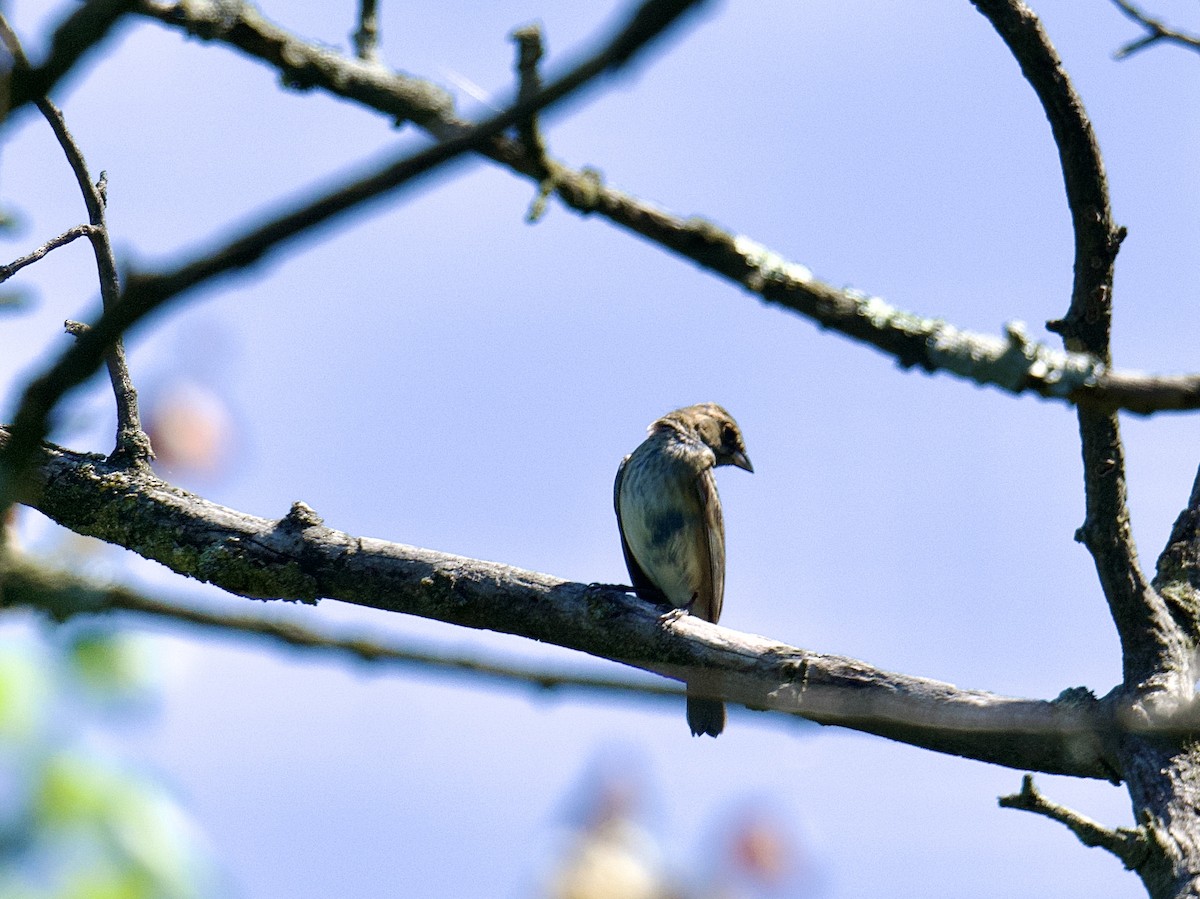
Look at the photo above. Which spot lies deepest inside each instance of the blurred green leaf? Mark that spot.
(106, 881)
(113, 664)
(16, 299)
(73, 791)
(24, 693)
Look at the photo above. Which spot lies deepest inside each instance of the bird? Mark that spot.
(672, 529)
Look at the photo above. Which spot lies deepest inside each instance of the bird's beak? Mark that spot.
(742, 461)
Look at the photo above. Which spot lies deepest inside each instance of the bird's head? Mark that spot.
(715, 428)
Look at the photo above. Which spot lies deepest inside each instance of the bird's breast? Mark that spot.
(663, 523)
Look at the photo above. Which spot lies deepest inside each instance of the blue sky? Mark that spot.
(439, 373)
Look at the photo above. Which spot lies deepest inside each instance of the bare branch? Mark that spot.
(529, 54)
(1152, 648)
(530, 51)
(1012, 362)
(7, 271)
(26, 583)
(1156, 31)
(1087, 324)
(1177, 578)
(1130, 845)
(366, 38)
(298, 558)
(132, 444)
(82, 31)
(1141, 393)
(144, 294)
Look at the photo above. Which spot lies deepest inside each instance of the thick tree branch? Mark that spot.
(1158, 635)
(145, 294)
(81, 32)
(298, 558)
(1013, 362)
(1154, 654)
(1177, 577)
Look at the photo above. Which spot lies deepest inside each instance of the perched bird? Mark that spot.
(672, 531)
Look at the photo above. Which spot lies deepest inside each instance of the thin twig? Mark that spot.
(529, 79)
(366, 38)
(1126, 843)
(132, 444)
(7, 271)
(1156, 31)
(144, 294)
(65, 595)
(530, 51)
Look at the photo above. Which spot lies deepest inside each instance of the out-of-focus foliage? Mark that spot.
(76, 821)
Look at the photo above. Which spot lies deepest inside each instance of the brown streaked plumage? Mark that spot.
(672, 530)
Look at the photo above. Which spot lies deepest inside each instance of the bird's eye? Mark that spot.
(728, 436)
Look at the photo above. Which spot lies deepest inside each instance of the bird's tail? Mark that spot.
(705, 716)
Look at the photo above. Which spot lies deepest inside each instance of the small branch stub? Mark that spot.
(301, 516)
(366, 38)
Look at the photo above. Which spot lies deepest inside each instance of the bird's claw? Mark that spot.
(672, 616)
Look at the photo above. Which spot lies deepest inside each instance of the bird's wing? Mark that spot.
(642, 585)
(710, 592)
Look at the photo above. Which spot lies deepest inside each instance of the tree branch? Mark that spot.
(366, 37)
(1158, 644)
(298, 558)
(24, 582)
(1153, 651)
(71, 234)
(132, 444)
(1127, 844)
(1177, 577)
(1013, 362)
(144, 294)
(1156, 31)
(529, 79)
(81, 32)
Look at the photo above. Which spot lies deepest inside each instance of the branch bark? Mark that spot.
(28, 583)
(1011, 362)
(146, 294)
(298, 558)
(1154, 652)
(1158, 639)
